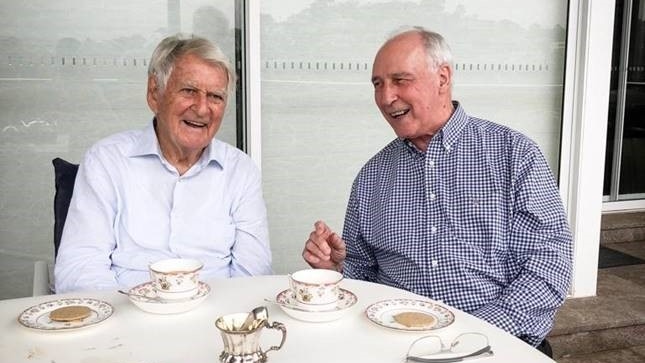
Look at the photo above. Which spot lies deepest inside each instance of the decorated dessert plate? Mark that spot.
(287, 302)
(145, 298)
(409, 315)
(38, 316)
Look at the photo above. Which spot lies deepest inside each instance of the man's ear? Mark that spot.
(445, 77)
(152, 94)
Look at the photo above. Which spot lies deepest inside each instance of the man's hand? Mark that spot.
(324, 248)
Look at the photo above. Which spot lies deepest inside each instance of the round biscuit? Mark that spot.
(70, 313)
(415, 319)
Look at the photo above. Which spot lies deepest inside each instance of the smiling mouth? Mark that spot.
(195, 124)
(399, 113)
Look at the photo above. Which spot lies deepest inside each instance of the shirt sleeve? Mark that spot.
(251, 253)
(360, 262)
(83, 261)
(541, 244)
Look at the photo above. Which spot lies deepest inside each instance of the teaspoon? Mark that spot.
(157, 299)
(288, 306)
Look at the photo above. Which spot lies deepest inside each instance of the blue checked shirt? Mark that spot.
(476, 221)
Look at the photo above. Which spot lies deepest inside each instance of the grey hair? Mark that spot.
(436, 46)
(174, 47)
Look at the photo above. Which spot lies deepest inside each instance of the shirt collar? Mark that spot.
(147, 144)
(449, 133)
(214, 153)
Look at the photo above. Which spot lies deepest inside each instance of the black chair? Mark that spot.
(64, 178)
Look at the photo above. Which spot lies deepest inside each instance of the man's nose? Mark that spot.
(388, 94)
(200, 103)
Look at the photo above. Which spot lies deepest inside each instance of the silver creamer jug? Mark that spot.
(241, 336)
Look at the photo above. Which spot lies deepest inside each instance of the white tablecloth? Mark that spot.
(134, 336)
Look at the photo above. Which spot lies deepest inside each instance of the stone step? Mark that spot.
(597, 341)
(635, 248)
(634, 354)
(614, 319)
(622, 227)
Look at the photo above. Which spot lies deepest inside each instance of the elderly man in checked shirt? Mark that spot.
(456, 208)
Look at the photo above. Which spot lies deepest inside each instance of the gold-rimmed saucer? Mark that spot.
(37, 316)
(144, 296)
(287, 302)
(383, 313)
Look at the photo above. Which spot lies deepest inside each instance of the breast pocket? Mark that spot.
(480, 217)
(143, 224)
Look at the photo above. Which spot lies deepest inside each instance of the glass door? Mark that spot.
(625, 156)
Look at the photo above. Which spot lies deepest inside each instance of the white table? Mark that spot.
(134, 336)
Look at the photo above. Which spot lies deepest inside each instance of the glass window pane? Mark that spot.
(72, 72)
(632, 170)
(626, 118)
(319, 120)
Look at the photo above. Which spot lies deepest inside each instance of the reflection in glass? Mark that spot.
(624, 167)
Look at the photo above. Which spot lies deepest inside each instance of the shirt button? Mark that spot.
(435, 263)
(433, 196)
(431, 163)
(433, 230)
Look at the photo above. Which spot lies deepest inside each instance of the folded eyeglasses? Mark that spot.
(466, 346)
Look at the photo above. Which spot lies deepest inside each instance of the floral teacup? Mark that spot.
(316, 289)
(175, 278)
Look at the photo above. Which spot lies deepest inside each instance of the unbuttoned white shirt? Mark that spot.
(130, 207)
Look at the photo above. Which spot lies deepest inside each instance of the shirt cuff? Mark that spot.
(498, 317)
